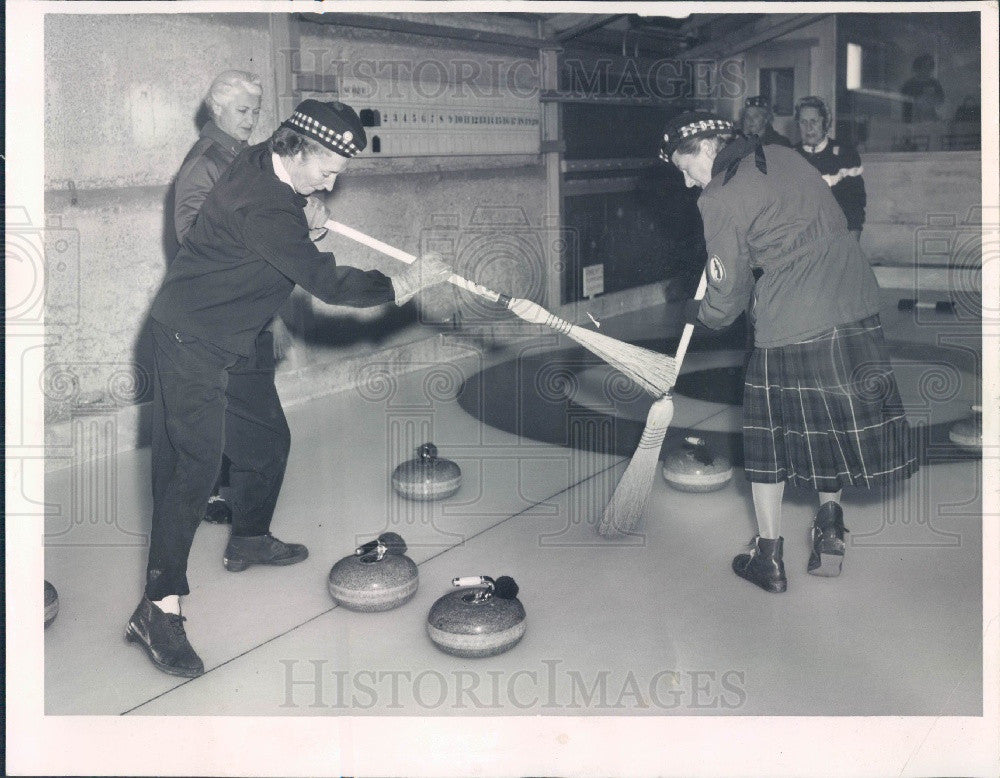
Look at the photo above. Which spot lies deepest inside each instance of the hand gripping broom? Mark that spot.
(625, 508)
(654, 372)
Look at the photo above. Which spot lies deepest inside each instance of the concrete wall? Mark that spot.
(122, 91)
(122, 94)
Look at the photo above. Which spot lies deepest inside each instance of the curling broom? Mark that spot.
(654, 372)
(624, 511)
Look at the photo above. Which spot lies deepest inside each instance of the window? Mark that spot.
(853, 66)
(777, 86)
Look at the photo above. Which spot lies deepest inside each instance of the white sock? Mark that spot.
(169, 604)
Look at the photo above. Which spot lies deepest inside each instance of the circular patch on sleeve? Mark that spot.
(716, 270)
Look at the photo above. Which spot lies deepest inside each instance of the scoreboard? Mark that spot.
(406, 118)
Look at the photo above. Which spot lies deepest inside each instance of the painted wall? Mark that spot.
(122, 94)
(812, 52)
(924, 209)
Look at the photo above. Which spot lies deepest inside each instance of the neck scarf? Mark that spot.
(729, 157)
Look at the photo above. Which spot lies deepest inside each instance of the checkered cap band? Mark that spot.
(341, 142)
(703, 127)
(697, 125)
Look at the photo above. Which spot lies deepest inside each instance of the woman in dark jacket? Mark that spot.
(821, 408)
(248, 248)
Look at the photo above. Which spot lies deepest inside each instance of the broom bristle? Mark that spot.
(656, 373)
(625, 509)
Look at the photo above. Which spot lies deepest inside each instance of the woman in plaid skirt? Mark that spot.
(820, 408)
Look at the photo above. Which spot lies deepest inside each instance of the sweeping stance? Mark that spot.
(247, 249)
(821, 408)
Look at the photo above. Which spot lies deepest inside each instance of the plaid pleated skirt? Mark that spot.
(826, 412)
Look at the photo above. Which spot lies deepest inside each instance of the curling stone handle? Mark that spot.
(376, 547)
(472, 580)
(402, 256)
(367, 548)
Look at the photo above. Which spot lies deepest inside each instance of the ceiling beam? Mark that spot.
(589, 23)
(609, 41)
(658, 25)
(697, 21)
(750, 35)
(404, 26)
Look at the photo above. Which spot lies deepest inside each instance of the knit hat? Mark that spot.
(692, 124)
(334, 125)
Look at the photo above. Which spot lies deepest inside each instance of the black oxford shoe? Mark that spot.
(261, 550)
(162, 636)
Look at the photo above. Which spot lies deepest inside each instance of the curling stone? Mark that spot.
(427, 477)
(484, 620)
(51, 603)
(968, 432)
(694, 468)
(378, 576)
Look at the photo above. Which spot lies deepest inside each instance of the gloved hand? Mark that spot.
(429, 269)
(282, 338)
(316, 217)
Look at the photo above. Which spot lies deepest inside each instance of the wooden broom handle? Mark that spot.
(682, 347)
(402, 256)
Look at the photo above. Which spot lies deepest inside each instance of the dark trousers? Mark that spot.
(208, 402)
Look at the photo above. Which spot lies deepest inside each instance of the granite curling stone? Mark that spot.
(692, 467)
(51, 603)
(378, 576)
(427, 477)
(968, 432)
(483, 619)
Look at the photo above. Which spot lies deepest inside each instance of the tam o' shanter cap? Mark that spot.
(335, 125)
(692, 124)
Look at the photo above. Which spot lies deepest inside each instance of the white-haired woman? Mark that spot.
(234, 103)
(820, 407)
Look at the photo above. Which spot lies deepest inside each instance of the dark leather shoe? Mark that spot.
(763, 565)
(828, 545)
(218, 511)
(261, 550)
(162, 636)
